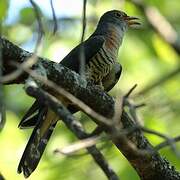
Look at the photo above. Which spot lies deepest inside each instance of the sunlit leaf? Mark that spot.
(4, 4)
(20, 33)
(165, 51)
(27, 16)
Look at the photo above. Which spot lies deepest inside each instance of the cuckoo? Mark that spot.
(101, 68)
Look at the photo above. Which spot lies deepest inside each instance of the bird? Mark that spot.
(101, 67)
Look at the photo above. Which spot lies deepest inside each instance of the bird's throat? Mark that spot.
(114, 39)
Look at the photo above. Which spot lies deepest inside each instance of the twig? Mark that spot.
(169, 140)
(132, 107)
(19, 71)
(40, 26)
(82, 53)
(161, 24)
(55, 28)
(132, 110)
(137, 106)
(83, 20)
(119, 106)
(72, 148)
(130, 91)
(166, 143)
(73, 125)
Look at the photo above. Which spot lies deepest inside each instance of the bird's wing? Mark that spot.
(112, 78)
(89, 47)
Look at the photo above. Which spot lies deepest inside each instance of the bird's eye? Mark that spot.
(118, 14)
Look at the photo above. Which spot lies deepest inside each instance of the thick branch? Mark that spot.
(148, 165)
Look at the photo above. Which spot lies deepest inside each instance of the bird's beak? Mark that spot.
(131, 20)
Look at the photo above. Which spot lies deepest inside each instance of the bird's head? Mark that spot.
(118, 18)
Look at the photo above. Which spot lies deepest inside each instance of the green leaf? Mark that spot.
(27, 16)
(20, 33)
(3, 9)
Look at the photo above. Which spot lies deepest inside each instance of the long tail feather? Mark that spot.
(36, 145)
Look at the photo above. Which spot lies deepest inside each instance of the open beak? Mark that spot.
(131, 20)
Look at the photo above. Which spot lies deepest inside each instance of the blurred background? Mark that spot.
(150, 56)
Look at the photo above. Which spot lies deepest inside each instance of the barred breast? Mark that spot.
(102, 63)
(100, 66)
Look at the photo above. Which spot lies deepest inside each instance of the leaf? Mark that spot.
(27, 16)
(4, 5)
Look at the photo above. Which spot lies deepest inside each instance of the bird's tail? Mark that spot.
(37, 142)
(31, 117)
